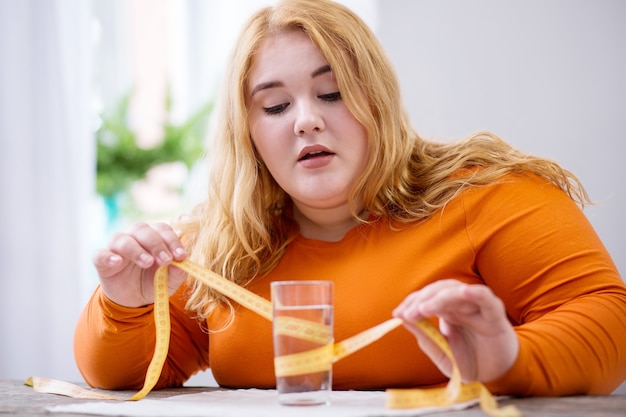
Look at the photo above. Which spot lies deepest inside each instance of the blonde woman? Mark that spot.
(317, 173)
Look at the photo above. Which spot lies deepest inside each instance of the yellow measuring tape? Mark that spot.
(311, 361)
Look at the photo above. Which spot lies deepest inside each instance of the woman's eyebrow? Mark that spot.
(265, 86)
(321, 70)
(273, 84)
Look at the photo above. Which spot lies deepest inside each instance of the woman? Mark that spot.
(317, 174)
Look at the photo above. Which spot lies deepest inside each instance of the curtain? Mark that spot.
(46, 184)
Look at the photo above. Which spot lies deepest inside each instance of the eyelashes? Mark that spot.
(275, 109)
(336, 96)
(280, 108)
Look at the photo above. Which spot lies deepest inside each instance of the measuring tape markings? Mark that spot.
(302, 329)
(163, 330)
(366, 337)
(248, 299)
(302, 363)
(319, 359)
(54, 386)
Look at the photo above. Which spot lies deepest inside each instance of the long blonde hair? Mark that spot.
(245, 224)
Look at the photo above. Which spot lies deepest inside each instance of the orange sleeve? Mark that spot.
(113, 345)
(538, 252)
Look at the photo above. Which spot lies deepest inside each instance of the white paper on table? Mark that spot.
(249, 403)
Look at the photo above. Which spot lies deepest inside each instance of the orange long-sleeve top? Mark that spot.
(524, 238)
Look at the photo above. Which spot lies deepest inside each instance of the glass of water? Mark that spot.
(303, 341)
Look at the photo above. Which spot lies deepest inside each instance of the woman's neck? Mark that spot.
(329, 225)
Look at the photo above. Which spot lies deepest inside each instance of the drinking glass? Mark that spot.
(303, 341)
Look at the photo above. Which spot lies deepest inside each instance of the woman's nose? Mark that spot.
(309, 119)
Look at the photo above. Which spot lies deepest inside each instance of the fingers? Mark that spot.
(108, 263)
(472, 319)
(455, 302)
(126, 267)
(491, 307)
(146, 245)
(428, 301)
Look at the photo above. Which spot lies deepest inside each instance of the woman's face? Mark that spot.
(311, 144)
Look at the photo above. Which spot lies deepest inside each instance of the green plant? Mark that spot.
(120, 161)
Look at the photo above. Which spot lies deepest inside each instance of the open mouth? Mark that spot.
(315, 154)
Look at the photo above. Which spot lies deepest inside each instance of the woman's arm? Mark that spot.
(558, 289)
(113, 345)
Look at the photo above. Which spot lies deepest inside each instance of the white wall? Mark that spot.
(548, 76)
(46, 181)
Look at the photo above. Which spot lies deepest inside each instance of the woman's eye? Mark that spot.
(331, 97)
(278, 109)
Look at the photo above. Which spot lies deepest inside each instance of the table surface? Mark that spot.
(17, 399)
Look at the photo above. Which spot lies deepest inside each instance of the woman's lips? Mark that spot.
(316, 159)
(315, 154)
(313, 151)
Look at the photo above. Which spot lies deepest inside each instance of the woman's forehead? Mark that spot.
(282, 53)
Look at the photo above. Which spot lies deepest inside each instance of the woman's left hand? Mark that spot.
(473, 321)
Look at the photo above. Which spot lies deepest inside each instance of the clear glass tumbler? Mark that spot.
(303, 341)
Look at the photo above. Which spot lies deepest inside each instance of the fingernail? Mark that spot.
(164, 257)
(179, 251)
(114, 259)
(145, 259)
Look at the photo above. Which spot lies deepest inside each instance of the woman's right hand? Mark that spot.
(126, 267)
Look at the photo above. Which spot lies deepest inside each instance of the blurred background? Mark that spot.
(104, 106)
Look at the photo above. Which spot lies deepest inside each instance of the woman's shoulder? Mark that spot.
(523, 205)
(516, 188)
